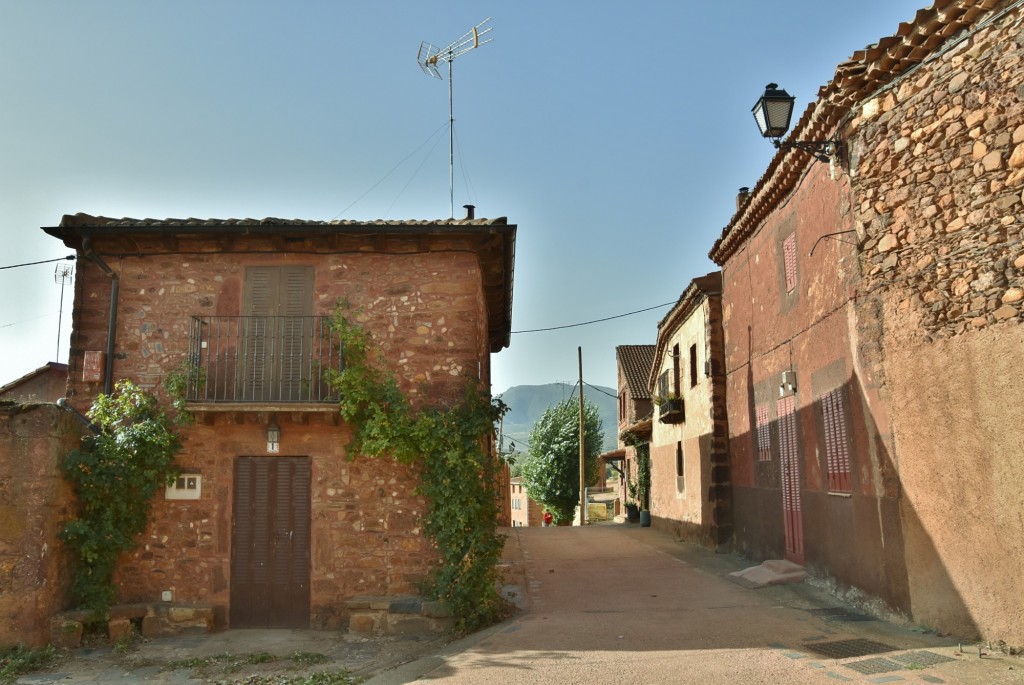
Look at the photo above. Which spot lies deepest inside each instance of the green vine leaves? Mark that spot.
(451, 446)
(115, 475)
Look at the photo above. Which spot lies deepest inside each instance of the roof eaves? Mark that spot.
(855, 80)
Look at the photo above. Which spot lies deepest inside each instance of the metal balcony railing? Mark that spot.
(264, 359)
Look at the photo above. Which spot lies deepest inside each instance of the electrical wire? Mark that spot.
(393, 169)
(597, 389)
(587, 323)
(69, 258)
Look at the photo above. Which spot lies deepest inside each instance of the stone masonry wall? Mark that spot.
(938, 173)
(427, 312)
(35, 501)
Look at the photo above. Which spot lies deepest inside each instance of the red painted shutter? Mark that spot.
(790, 458)
(789, 256)
(837, 450)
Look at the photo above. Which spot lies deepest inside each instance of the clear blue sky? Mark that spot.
(614, 134)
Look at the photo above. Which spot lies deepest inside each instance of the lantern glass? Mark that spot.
(273, 433)
(773, 111)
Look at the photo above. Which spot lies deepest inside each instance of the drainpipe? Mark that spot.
(63, 404)
(115, 282)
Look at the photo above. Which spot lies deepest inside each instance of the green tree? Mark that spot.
(552, 465)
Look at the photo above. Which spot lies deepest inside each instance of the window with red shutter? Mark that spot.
(789, 257)
(837, 448)
(764, 434)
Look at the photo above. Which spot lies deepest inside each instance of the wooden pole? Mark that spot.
(583, 487)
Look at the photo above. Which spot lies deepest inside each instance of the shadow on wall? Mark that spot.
(852, 532)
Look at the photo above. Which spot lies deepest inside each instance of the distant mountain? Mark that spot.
(528, 402)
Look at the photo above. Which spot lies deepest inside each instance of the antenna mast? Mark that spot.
(427, 58)
(63, 274)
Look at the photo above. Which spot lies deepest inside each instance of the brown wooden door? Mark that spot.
(270, 543)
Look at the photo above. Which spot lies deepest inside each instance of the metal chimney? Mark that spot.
(741, 197)
(470, 211)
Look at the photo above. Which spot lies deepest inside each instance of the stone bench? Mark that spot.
(404, 615)
(154, 620)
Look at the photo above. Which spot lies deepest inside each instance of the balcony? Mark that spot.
(267, 360)
(672, 410)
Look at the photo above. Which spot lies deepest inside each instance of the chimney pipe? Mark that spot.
(470, 211)
(741, 197)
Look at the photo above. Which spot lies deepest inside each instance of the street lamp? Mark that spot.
(773, 112)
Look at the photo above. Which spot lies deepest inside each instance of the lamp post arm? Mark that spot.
(821, 150)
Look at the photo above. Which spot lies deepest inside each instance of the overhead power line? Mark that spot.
(587, 323)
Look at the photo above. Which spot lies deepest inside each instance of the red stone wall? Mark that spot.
(425, 309)
(35, 502)
(938, 160)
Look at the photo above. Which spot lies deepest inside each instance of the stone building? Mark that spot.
(633, 366)
(690, 489)
(272, 522)
(48, 383)
(872, 319)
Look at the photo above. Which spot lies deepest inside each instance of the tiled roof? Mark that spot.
(855, 80)
(86, 220)
(636, 361)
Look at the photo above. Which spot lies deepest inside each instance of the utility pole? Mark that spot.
(583, 489)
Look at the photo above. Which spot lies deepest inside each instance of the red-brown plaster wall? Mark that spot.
(813, 332)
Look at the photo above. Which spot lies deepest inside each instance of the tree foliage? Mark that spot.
(115, 475)
(451, 445)
(552, 465)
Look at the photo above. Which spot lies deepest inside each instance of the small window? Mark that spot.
(837, 449)
(185, 486)
(789, 257)
(663, 390)
(693, 365)
(764, 434)
(680, 477)
(675, 370)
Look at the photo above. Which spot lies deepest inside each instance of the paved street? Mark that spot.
(626, 604)
(602, 604)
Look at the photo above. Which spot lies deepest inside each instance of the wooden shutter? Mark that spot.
(277, 330)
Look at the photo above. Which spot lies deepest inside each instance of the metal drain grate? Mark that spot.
(844, 649)
(876, 665)
(840, 614)
(921, 658)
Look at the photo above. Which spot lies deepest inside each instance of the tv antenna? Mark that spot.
(63, 275)
(428, 58)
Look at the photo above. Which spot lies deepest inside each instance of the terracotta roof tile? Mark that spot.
(636, 361)
(83, 220)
